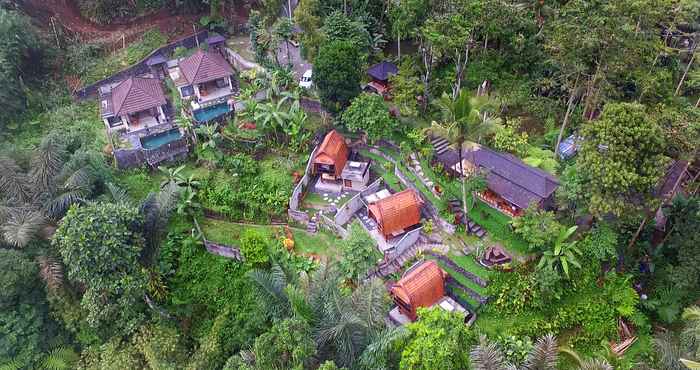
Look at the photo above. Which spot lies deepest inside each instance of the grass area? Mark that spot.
(461, 294)
(321, 243)
(112, 63)
(462, 279)
(379, 168)
(139, 182)
(468, 263)
(241, 45)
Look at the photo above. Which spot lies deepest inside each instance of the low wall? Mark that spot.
(408, 240)
(240, 63)
(300, 217)
(329, 224)
(299, 190)
(140, 68)
(345, 212)
(129, 158)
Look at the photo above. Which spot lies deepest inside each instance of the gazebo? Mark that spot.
(396, 213)
(421, 286)
(380, 74)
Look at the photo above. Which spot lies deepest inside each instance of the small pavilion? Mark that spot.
(396, 213)
(421, 286)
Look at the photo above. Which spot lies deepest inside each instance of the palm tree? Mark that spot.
(187, 125)
(562, 253)
(60, 358)
(462, 120)
(342, 324)
(29, 200)
(543, 356)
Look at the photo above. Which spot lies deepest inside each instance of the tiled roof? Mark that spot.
(382, 71)
(422, 286)
(204, 66)
(397, 212)
(136, 94)
(333, 151)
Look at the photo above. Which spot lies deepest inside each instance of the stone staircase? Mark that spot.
(455, 206)
(440, 145)
(312, 226)
(385, 268)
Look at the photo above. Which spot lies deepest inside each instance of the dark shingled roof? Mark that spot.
(136, 94)
(507, 175)
(382, 71)
(215, 39)
(204, 66)
(155, 60)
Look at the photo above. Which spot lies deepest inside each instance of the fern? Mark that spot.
(60, 358)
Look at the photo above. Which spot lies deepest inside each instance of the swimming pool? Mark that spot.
(209, 113)
(157, 140)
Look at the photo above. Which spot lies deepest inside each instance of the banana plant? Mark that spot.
(562, 254)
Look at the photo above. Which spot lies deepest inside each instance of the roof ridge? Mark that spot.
(118, 107)
(519, 162)
(200, 54)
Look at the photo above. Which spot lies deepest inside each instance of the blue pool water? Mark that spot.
(154, 141)
(209, 113)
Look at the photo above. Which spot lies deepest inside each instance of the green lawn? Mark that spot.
(139, 182)
(463, 279)
(225, 232)
(468, 263)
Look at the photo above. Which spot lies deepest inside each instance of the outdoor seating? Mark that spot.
(495, 255)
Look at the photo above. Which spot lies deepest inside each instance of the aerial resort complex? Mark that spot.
(350, 185)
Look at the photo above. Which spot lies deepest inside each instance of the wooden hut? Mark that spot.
(421, 286)
(331, 157)
(396, 213)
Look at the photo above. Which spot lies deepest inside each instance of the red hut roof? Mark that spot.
(333, 151)
(423, 286)
(397, 212)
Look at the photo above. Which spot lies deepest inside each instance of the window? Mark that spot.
(186, 91)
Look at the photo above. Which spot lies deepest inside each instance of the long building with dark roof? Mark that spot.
(512, 184)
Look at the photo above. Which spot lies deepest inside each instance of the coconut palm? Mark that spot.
(60, 358)
(342, 324)
(562, 254)
(30, 200)
(543, 356)
(463, 120)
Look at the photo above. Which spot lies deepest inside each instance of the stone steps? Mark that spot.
(440, 145)
(455, 206)
(312, 226)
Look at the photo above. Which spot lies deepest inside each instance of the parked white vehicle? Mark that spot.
(306, 81)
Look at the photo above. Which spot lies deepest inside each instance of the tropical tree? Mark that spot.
(342, 323)
(562, 254)
(462, 120)
(543, 356)
(210, 134)
(337, 74)
(369, 113)
(283, 29)
(32, 199)
(359, 253)
(101, 246)
(272, 118)
(621, 159)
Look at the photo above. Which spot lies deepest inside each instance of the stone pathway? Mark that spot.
(418, 171)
